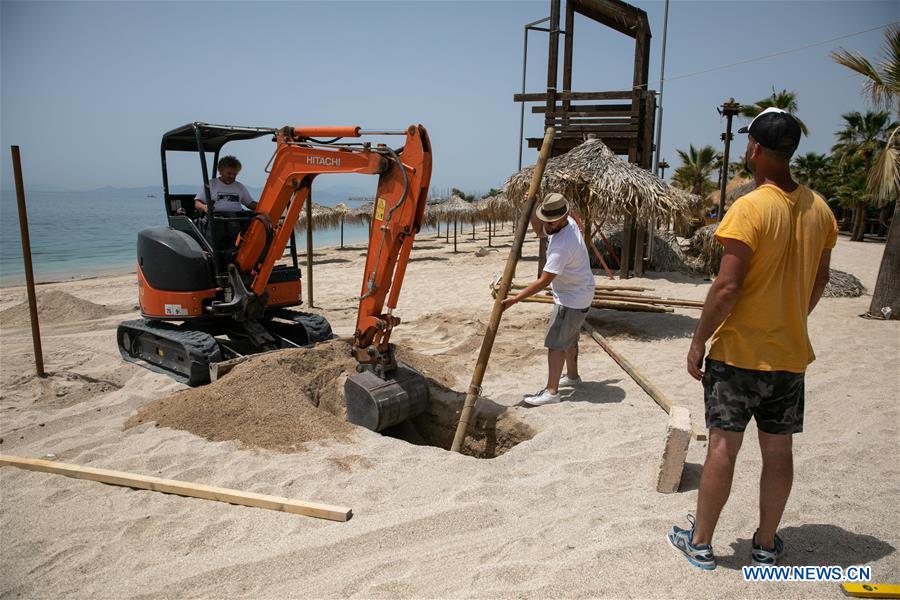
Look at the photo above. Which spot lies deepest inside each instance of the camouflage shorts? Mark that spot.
(733, 395)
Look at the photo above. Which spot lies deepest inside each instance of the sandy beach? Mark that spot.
(567, 509)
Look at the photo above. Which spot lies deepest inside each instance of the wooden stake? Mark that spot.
(654, 392)
(180, 488)
(487, 343)
(309, 251)
(26, 257)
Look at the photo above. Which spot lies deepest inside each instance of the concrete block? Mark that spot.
(678, 438)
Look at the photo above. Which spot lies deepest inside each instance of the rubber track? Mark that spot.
(200, 348)
(317, 327)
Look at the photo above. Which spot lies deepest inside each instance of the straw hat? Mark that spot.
(553, 208)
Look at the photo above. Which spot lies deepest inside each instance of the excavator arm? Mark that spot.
(404, 177)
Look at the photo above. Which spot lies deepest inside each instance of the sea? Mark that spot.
(75, 235)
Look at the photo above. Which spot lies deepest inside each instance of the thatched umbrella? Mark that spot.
(432, 216)
(341, 211)
(494, 208)
(456, 209)
(323, 217)
(602, 186)
(737, 186)
(361, 214)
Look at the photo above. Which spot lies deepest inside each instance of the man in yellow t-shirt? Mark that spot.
(778, 241)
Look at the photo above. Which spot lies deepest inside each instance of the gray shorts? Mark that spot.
(565, 325)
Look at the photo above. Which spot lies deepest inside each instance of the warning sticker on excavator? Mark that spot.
(176, 310)
(379, 210)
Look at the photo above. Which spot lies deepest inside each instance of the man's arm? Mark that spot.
(720, 301)
(536, 224)
(200, 205)
(822, 276)
(531, 289)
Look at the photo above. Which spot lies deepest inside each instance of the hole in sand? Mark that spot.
(281, 400)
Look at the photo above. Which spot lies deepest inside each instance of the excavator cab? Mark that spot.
(209, 286)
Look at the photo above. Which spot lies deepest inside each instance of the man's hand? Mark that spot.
(695, 360)
(507, 302)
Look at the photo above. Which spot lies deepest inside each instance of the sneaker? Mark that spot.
(760, 556)
(565, 381)
(700, 555)
(541, 398)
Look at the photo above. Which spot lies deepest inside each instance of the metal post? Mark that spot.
(524, 70)
(662, 80)
(729, 109)
(26, 257)
(309, 251)
(663, 165)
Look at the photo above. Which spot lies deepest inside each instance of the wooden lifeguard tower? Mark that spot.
(623, 120)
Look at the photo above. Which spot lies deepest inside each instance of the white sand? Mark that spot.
(569, 513)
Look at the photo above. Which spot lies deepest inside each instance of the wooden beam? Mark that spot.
(625, 263)
(542, 97)
(612, 110)
(639, 378)
(180, 488)
(615, 14)
(611, 304)
(567, 61)
(553, 57)
(584, 119)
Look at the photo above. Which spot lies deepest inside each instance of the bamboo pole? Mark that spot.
(487, 343)
(601, 286)
(630, 306)
(26, 257)
(639, 378)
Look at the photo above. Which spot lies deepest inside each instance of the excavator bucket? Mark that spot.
(376, 403)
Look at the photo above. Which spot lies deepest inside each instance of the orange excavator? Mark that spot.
(209, 286)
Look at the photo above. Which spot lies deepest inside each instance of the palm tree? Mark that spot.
(863, 137)
(882, 85)
(784, 100)
(697, 165)
(815, 171)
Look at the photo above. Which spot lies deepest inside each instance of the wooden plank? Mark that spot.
(218, 369)
(573, 132)
(639, 378)
(180, 488)
(542, 97)
(648, 386)
(567, 62)
(614, 305)
(619, 16)
(577, 120)
(612, 109)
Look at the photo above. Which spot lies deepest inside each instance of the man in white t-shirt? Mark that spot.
(568, 273)
(227, 194)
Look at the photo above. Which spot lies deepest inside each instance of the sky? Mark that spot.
(88, 88)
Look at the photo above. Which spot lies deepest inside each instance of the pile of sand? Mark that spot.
(277, 401)
(55, 306)
(281, 400)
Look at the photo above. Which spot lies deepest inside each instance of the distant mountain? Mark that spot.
(321, 194)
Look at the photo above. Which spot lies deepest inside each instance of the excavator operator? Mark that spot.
(226, 193)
